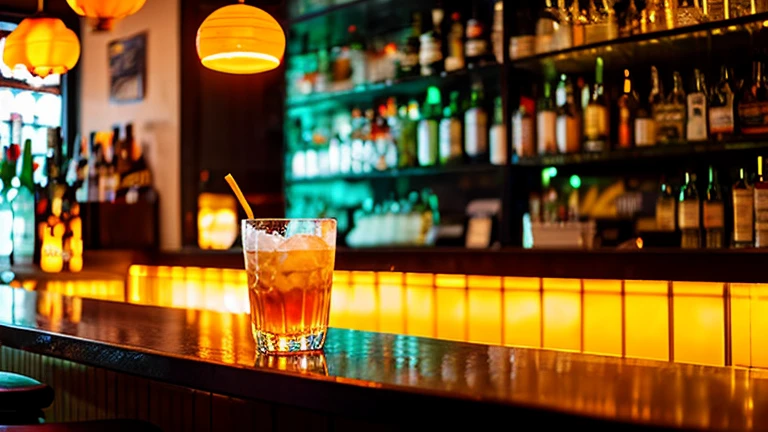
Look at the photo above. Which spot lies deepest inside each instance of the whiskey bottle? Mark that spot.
(689, 216)
(431, 49)
(546, 122)
(523, 128)
(596, 115)
(628, 103)
(665, 208)
(568, 134)
(476, 124)
(721, 106)
(455, 40)
(753, 107)
(713, 213)
(451, 149)
(761, 206)
(696, 127)
(672, 126)
(743, 212)
(476, 47)
(656, 101)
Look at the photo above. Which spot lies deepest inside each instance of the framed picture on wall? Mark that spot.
(128, 68)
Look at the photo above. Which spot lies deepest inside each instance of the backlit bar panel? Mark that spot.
(690, 322)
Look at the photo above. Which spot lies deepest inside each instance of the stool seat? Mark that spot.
(87, 426)
(22, 393)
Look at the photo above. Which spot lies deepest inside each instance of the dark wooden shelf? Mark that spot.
(405, 172)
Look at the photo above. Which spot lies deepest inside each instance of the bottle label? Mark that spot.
(475, 132)
(429, 54)
(688, 214)
(696, 129)
(595, 121)
(713, 215)
(721, 119)
(567, 134)
(743, 215)
(645, 132)
(498, 144)
(427, 147)
(522, 135)
(450, 139)
(754, 117)
(476, 47)
(761, 204)
(546, 125)
(625, 128)
(670, 122)
(665, 214)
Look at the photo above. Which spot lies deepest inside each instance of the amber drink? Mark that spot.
(289, 263)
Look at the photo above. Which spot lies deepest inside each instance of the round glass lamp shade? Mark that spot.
(42, 45)
(106, 11)
(240, 39)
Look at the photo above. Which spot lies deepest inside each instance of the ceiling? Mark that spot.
(27, 7)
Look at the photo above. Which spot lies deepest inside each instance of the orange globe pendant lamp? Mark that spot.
(105, 12)
(240, 39)
(43, 45)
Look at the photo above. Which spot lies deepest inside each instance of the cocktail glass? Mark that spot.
(289, 263)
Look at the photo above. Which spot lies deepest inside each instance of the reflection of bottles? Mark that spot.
(596, 115)
(761, 206)
(498, 135)
(450, 132)
(455, 59)
(696, 129)
(428, 128)
(476, 124)
(627, 111)
(688, 213)
(665, 208)
(568, 134)
(713, 213)
(721, 106)
(546, 122)
(743, 216)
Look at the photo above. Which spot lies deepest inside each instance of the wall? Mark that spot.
(156, 119)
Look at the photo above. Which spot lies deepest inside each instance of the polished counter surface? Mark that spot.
(380, 375)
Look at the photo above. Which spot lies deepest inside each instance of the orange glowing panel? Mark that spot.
(340, 295)
(522, 312)
(759, 319)
(420, 279)
(450, 281)
(390, 278)
(485, 312)
(362, 308)
(646, 319)
(602, 317)
(741, 314)
(420, 306)
(392, 309)
(562, 314)
(360, 277)
(699, 323)
(340, 277)
(451, 314)
(489, 282)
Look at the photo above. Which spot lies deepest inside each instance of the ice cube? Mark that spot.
(304, 242)
(268, 242)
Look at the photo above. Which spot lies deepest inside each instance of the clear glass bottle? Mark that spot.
(689, 214)
(546, 122)
(696, 126)
(498, 135)
(476, 124)
(743, 212)
(428, 128)
(714, 213)
(568, 134)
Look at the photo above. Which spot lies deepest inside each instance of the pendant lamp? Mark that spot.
(43, 45)
(106, 12)
(240, 39)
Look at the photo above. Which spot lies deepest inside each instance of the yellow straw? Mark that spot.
(239, 195)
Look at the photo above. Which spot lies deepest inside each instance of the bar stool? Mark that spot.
(22, 399)
(87, 426)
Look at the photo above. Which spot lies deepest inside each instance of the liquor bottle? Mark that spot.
(546, 122)
(455, 40)
(498, 135)
(431, 49)
(632, 19)
(596, 115)
(7, 193)
(713, 213)
(628, 103)
(568, 134)
(753, 107)
(689, 216)
(451, 148)
(497, 31)
(657, 102)
(603, 24)
(409, 60)
(563, 37)
(671, 129)
(743, 212)
(24, 210)
(665, 208)
(761, 206)
(357, 56)
(476, 47)
(523, 128)
(428, 128)
(696, 128)
(546, 28)
(476, 124)
(721, 106)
